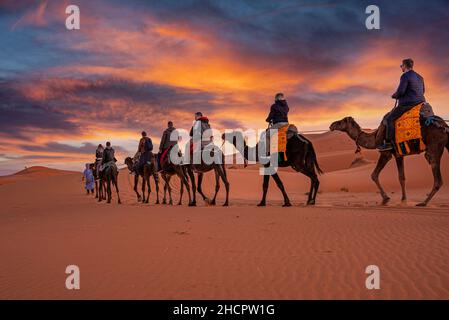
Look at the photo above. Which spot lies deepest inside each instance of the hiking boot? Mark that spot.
(387, 146)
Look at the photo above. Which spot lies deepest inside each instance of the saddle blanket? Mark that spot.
(283, 134)
(408, 132)
(282, 139)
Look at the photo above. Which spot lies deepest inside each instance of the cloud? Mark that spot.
(139, 64)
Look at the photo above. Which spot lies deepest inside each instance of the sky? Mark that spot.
(135, 64)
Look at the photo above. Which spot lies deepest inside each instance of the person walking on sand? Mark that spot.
(88, 178)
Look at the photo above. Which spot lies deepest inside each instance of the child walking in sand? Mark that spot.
(88, 178)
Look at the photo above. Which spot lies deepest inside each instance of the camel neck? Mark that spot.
(362, 138)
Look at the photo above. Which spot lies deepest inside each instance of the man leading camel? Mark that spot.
(409, 94)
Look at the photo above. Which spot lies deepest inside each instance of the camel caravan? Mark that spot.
(410, 128)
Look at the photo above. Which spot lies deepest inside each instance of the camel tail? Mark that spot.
(314, 159)
(447, 145)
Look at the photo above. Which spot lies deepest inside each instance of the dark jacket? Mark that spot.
(411, 89)
(108, 155)
(99, 154)
(278, 112)
(165, 140)
(145, 145)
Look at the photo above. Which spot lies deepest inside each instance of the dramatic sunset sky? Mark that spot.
(134, 65)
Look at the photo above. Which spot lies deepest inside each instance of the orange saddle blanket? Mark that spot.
(408, 133)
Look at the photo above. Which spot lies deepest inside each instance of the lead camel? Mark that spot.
(435, 137)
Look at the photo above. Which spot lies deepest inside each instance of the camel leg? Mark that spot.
(170, 199)
(222, 173)
(167, 187)
(182, 174)
(217, 186)
(314, 179)
(200, 187)
(149, 188)
(143, 188)
(109, 189)
(100, 190)
(317, 185)
(156, 183)
(192, 180)
(280, 185)
(314, 184)
(101, 187)
(103, 190)
(381, 162)
(136, 183)
(181, 193)
(266, 182)
(305, 166)
(434, 159)
(116, 189)
(165, 178)
(401, 173)
(96, 189)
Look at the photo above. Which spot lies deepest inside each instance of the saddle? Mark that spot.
(107, 165)
(408, 135)
(284, 134)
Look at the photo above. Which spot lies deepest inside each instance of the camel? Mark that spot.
(98, 194)
(220, 173)
(435, 136)
(169, 169)
(149, 169)
(301, 157)
(109, 175)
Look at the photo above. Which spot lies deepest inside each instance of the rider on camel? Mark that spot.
(277, 118)
(409, 94)
(108, 156)
(166, 141)
(145, 148)
(200, 125)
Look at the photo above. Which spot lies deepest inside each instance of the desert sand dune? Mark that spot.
(241, 252)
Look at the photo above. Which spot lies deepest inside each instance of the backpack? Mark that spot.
(148, 145)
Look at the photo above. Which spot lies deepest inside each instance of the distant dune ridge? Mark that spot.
(241, 252)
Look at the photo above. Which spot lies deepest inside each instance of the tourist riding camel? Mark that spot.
(198, 142)
(277, 118)
(200, 125)
(108, 157)
(165, 140)
(293, 150)
(98, 158)
(166, 143)
(409, 94)
(278, 115)
(144, 150)
(109, 172)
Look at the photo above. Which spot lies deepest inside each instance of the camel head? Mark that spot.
(129, 163)
(343, 125)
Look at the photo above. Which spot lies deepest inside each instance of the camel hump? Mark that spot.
(292, 131)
